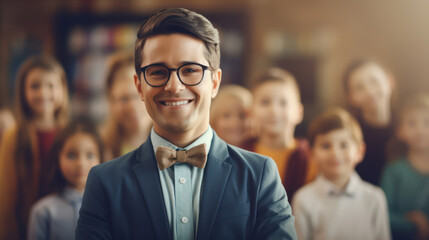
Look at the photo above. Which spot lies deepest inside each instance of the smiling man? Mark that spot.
(184, 182)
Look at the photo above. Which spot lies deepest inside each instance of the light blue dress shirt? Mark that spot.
(181, 187)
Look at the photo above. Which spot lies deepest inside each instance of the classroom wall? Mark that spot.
(330, 32)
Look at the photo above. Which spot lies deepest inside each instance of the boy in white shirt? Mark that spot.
(339, 204)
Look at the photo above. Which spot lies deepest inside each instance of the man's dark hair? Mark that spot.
(179, 20)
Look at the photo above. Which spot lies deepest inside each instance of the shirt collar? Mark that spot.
(330, 189)
(158, 141)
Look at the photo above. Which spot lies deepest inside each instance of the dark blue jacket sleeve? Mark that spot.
(94, 216)
(274, 215)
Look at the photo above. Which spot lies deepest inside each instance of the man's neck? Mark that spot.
(181, 139)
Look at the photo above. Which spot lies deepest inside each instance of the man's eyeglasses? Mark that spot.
(190, 74)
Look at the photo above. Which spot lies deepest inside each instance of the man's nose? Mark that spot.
(174, 84)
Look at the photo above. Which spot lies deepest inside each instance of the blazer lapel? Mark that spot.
(216, 175)
(147, 175)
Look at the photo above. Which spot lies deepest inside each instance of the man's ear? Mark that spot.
(217, 78)
(138, 85)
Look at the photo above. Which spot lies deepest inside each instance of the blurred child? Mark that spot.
(369, 90)
(75, 151)
(338, 204)
(41, 100)
(406, 181)
(128, 123)
(277, 110)
(229, 114)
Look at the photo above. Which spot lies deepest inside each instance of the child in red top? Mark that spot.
(41, 110)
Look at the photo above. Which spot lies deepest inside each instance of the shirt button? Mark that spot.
(184, 219)
(182, 180)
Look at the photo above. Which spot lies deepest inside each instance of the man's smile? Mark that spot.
(175, 102)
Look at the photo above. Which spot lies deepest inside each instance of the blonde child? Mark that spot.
(75, 151)
(128, 122)
(41, 100)
(229, 114)
(277, 110)
(338, 204)
(406, 180)
(369, 88)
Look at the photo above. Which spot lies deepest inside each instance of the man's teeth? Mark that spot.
(178, 103)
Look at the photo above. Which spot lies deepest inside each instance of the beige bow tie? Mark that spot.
(196, 156)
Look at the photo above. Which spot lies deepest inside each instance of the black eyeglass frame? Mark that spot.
(204, 67)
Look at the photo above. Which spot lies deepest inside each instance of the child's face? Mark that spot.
(370, 88)
(414, 129)
(43, 91)
(277, 109)
(78, 156)
(126, 107)
(337, 154)
(231, 121)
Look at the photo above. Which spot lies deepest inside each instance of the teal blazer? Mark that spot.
(242, 198)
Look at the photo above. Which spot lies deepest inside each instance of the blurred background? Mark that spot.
(315, 40)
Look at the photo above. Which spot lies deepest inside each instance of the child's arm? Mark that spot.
(400, 225)
(302, 225)
(421, 222)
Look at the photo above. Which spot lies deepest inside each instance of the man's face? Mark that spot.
(177, 108)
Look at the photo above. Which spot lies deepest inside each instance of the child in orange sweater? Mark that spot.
(277, 111)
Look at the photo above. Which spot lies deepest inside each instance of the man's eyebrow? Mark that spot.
(180, 63)
(187, 62)
(157, 63)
